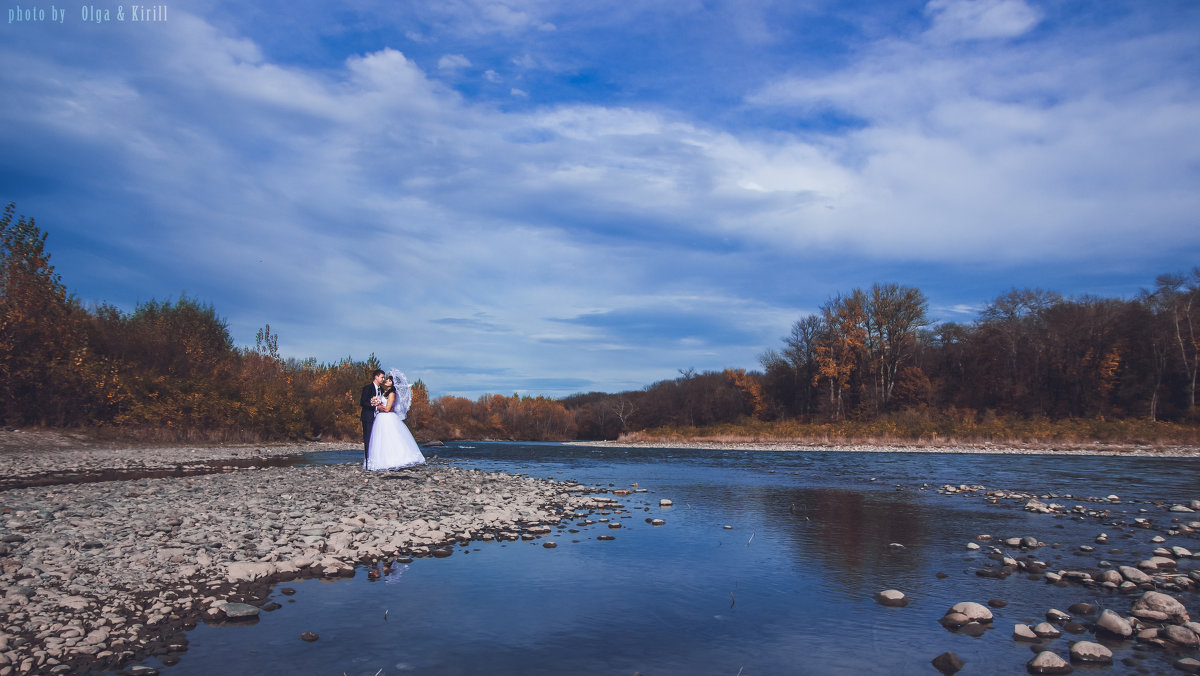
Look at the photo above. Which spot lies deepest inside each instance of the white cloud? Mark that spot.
(453, 62)
(955, 20)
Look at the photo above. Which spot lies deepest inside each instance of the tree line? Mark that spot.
(873, 355)
(170, 369)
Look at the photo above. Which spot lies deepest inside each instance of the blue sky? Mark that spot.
(546, 196)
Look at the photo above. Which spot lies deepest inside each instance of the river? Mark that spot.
(767, 563)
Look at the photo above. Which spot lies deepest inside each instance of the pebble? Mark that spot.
(1023, 632)
(1090, 653)
(1114, 624)
(1058, 616)
(1047, 662)
(947, 663)
(892, 598)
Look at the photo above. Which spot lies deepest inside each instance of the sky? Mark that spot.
(547, 197)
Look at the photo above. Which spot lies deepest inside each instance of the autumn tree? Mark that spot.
(41, 339)
(894, 315)
(840, 347)
(1179, 296)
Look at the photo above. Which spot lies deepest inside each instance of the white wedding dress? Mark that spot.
(392, 446)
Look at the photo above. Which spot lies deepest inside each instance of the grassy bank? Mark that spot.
(921, 427)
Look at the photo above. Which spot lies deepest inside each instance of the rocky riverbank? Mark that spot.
(43, 458)
(100, 574)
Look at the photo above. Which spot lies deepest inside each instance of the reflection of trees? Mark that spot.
(846, 531)
(849, 532)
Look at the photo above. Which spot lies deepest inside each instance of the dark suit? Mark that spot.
(368, 415)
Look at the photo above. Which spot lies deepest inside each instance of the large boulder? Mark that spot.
(1180, 636)
(1159, 607)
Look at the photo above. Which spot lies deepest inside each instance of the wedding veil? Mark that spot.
(403, 392)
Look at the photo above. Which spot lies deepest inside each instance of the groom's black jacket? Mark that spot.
(368, 411)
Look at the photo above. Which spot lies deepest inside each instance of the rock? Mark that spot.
(972, 546)
(665, 503)
(953, 620)
(1159, 607)
(657, 522)
(1029, 542)
(1022, 632)
(1091, 653)
(1047, 662)
(308, 636)
(1156, 563)
(248, 571)
(974, 612)
(1181, 508)
(892, 598)
(947, 663)
(1180, 636)
(1047, 630)
(239, 611)
(1188, 665)
(1181, 553)
(1134, 575)
(1082, 608)
(997, 603)
(1055, 615)
(1114, 624)
(549, 545)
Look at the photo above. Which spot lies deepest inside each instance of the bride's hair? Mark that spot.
(388, 388)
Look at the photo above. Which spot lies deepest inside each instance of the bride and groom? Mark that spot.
(387, 443)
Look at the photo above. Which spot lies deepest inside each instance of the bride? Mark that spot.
(392, 446)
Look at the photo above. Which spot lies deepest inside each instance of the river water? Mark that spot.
(767, 564)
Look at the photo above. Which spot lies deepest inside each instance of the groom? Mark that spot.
(370, 396)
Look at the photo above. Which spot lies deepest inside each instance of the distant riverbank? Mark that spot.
(729, 444)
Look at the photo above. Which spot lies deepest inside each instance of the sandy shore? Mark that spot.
(1097, 448)
(102, 573)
